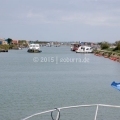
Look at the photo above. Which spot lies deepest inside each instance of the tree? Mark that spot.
(9, 40)
(117, 45)
(105, 45)
(99, 43)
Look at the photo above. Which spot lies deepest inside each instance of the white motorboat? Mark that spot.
(84, 49)
(34, 48)
(19, 48)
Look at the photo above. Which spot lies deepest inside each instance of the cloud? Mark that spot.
(34, 15)
(95, 18)
(95, 13)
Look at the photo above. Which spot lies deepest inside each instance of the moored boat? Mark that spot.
(75, 46)
(34, 48)
(84, 49)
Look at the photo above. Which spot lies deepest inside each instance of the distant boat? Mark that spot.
(115, 85)
(58, 45)
(48, 45)
(34, 48)
(20, 48)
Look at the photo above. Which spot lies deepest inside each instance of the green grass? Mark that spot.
(5, 47)
(117, 51)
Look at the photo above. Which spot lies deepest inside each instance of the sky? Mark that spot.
(60, 20)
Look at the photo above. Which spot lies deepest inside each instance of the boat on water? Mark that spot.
(57, 45)
(48, 45)
(34, 48)
(19, 48)
(95, 116)
(84, 49)
(75, 46)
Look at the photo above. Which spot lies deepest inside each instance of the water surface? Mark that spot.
(28, 87)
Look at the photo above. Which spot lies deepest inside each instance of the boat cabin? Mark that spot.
(84, 49)
(75, 46)
(34, 48)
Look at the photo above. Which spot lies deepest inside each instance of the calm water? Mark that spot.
(28, 87)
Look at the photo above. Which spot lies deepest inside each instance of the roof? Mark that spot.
(75, 43)
(1, 39)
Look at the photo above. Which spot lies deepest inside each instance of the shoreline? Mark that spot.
(115, 56)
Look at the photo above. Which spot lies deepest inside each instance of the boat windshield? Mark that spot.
(37, 45)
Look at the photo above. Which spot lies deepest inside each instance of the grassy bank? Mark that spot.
(109, 53)
(4, 47)
(7, 47)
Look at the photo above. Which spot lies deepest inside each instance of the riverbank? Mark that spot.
(113, 55)
(5, 48)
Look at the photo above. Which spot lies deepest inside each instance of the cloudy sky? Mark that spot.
(60, 20)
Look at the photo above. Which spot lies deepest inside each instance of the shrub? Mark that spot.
(117, 45)
(12, 46)
(105, 45)
(5, 47)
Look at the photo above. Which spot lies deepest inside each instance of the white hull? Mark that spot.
(83, 52)
(84, 49)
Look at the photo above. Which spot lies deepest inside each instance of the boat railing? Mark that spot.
(69, 107)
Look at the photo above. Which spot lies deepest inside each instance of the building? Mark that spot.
(15, 42)
(3, 42)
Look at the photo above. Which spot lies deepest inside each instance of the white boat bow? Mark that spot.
(69, 107)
